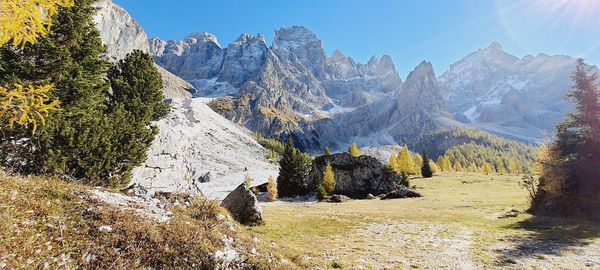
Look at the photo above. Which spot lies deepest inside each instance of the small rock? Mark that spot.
(370, 197)
(205, 178)
(135, 190)
(105, 228)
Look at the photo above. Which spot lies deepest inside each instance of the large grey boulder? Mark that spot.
(243, 206)
(356, 177)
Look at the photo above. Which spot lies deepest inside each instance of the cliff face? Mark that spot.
(122, 34)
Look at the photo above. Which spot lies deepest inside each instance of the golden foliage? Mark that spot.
(487, 168)
(271, 189)
(26, 105)
(353, 150)
(328, 180)
(553, 174)
(23, 21)
(406, 164)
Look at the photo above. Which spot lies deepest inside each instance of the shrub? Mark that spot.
(271, 189)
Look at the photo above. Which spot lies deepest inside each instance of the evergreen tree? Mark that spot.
(328, 182)
(69, 58)
(353, 150)
(327, 151)
(426, 170)
(569, 168)
(97, 136)
(137, 85)
(293, 171)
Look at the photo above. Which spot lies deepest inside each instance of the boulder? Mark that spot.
(243, 206)
(370, 197)
(204, 178)
(400, 193)
(356, 177)
(338, 198)
(260, 188)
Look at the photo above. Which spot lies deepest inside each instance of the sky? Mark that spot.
(441, 32)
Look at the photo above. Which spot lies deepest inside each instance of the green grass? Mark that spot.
(457, 201)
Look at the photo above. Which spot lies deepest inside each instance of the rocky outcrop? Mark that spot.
(401, 193)
(356, 177)
(193, 141)
(243, 206)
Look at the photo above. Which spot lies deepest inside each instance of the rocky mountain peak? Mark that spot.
(202, 37)
(294, 37)
(494, 46)
(246, 38)
(424, 71)
(118, 30)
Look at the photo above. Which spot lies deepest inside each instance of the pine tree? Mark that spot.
(22, 22)
(418, 159)
(426, 170)
(513, 167)
(137, 85)
(569, 166)
(271, 189)
(353, 150)
(393, 163)
(458, 167)
(293, 171)
(405, 162)
(70, 58)
(328, 181)
(487, 168)
(434, 167)
(97, 136)
(327, 151)
(440, 163)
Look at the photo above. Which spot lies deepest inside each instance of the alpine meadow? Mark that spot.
(448, 135)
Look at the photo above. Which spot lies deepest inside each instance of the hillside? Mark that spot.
(49, 223)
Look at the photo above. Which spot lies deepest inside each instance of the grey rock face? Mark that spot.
(356, 177)
(122, 34)
(243, 206)
(119, 31)
(243, 60)
(198, 56)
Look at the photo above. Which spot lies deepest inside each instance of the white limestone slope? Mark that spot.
(194, 140)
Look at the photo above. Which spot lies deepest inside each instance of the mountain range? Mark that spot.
(291, 87)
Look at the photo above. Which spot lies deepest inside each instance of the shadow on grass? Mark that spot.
(550, 236)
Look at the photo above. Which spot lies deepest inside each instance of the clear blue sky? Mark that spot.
(410, 31)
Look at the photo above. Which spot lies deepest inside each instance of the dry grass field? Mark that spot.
(461, 222)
